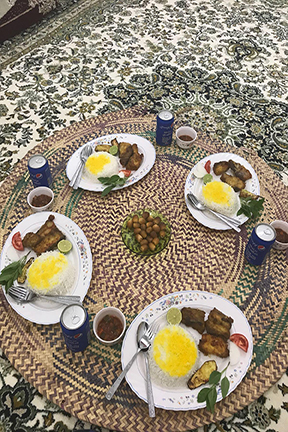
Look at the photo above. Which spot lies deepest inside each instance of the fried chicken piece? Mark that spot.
(193, 318)
(125, 152)
(210, 344)
(236, 183)
(240, 171)
(135, 160)
(246, 194)
(219, 324)
(220, 167)
(202, 375)
(103, 148)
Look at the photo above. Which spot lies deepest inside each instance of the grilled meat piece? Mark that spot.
(30, 240)
(210, 344)
(240, 171)
(202, 375)
(236, 183)
(125, 152)
(220, 167)
(135, 160)
(246, 194)
(103, 148)
(193, 318)
(218, 324)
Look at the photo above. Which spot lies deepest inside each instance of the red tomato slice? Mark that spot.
(207, 166)
(240, 340)
(126, 172)
(17, 241)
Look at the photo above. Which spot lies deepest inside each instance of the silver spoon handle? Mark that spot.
(149, 388)
(118, 381)
(236, 228)
(76, 181)
(62, 299)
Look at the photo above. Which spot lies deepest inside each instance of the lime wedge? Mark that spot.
(207, 178)
(174, 316)
(64, 246)
(113, 150)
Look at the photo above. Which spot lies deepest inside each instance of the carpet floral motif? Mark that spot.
(219, 65)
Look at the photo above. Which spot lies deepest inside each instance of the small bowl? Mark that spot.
(41, 190)
(113, 312)
(187, 132)
(284, 227)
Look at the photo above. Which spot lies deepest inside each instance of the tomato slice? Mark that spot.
(126, 172)
(17, 241)
(240, 340)
(207, 166)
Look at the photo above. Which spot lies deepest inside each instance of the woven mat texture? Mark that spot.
(196, 258)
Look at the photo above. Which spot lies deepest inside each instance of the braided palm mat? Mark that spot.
(195, 258)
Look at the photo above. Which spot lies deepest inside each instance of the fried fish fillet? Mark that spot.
(239, 170)
(236, 183)
(219, 324)
(135, 160)
(125, 152)
(193, 318)
(210, 344)
(220, 167)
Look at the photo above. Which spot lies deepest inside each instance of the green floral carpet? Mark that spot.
(220, 65)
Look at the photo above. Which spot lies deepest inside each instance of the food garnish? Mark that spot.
(207, 178)
(199, 171)
(202, 375)
(111, 183)
(207, 166)
(11, 272)
(174, 316)
(209, 394)
(240, 340)
(113, 150)
(17, 241)
(64, 246)
(251, 207)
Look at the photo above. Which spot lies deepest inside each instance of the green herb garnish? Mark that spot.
(11, 272)
(111, 183)
(251, 207)
(209, 394)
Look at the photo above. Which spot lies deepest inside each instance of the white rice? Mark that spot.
(222, 198)
(51, 273)
(165, 379)
(94, 163)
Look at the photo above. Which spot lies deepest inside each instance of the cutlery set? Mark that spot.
(22, 295)
(86, 151)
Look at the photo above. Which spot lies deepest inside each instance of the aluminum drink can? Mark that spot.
(164, 128)
(262, 238)
(75, 327)
(39, 171)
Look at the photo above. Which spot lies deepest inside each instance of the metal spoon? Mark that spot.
(143, 344)
(84, 154)
(148, 377)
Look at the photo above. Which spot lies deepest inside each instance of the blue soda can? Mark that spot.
(262, 238)
(75, 327)
(39, 171)
(164, 128)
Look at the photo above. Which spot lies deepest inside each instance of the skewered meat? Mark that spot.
(240, 171)
(219, 324)
(236, 183)
(202, 375)
(193, 318)
(220, 167)
(210, 344)
(135, 160)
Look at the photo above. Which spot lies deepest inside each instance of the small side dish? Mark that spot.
(40, 198)
(109, 325)
(281, 228)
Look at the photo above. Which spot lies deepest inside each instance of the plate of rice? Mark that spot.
(104, 164)
(52, 272)
(217, 195)
(174, 355)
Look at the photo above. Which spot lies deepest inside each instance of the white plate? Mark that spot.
(44, 311)
(184, 399)
(144, 146)
(194, 185)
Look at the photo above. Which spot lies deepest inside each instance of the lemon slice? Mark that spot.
(64, 246)
(174, 316)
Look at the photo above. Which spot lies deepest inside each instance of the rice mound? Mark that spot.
(220, 197)
(51, 273)
(173, 357)
(100, 164)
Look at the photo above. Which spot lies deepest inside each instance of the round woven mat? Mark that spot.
(195, 258)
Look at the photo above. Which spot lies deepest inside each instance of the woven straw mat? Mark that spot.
(196, 258)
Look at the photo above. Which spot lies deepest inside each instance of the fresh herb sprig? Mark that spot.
(251, 207)
(209, 394)
(111, 183)
(11, 272)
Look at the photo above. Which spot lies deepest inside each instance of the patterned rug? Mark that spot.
(219, 65)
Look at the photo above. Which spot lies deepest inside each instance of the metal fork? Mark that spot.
(23, 295)
(233, 223)
(86, 151)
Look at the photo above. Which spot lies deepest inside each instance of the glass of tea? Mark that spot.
(185, 136)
